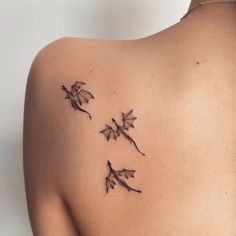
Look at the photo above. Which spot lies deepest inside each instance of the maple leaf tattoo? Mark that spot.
(115, 176)
(78, 96)
(127, 122)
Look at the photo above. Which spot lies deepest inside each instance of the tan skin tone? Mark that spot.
(181, 84)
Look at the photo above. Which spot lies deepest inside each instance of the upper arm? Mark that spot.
(47, 209)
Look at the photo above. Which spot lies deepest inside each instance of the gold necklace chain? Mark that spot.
(205, 3)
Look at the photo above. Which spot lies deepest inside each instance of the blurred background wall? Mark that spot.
(28, 25)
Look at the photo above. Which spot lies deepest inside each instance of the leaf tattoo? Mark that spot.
(115, 176)
(78, 96)
(127, 122)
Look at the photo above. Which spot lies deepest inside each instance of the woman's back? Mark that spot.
(181, 86)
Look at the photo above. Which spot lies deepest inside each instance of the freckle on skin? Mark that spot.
(197, 63)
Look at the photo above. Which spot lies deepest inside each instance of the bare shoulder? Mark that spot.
(105, 70)
(58, 132)
(53, 118)
(67, 49)
(70, 59)
(58, 65)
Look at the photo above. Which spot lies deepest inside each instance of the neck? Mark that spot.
(194, 3)
(210, 22)
(197, 2)
(221, 11)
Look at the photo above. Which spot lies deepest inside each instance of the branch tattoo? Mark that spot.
(127, 122)
(78, 96)
(115, 176)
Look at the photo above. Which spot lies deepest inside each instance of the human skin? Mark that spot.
(181, 85)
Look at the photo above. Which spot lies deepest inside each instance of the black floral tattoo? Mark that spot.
(116, 176)
(127, 122)
(78, 96)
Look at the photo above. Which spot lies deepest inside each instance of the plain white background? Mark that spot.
(28, 25)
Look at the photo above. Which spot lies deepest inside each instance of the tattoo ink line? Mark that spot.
(78, 96)
(127, 122)
(116, 176)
